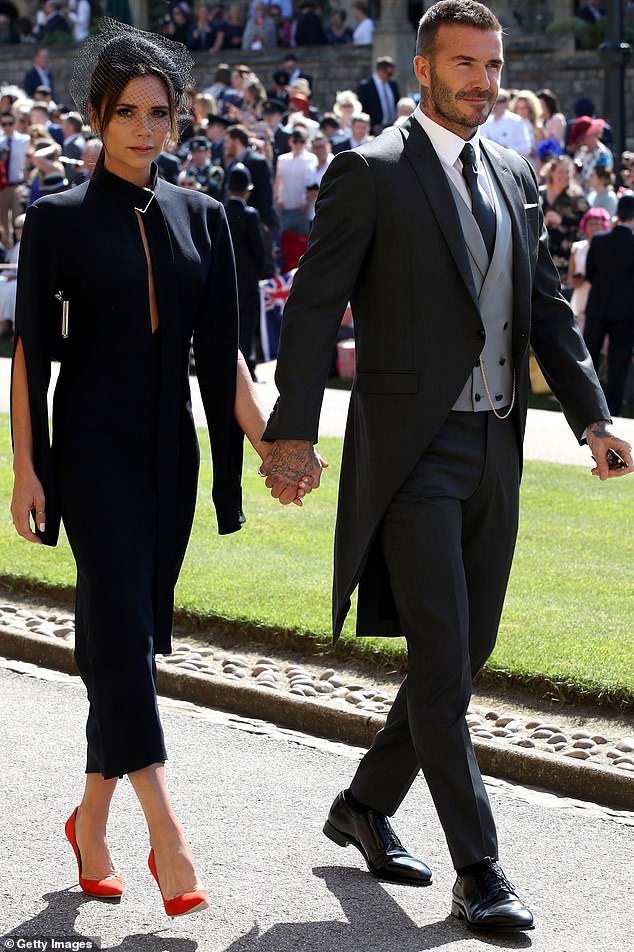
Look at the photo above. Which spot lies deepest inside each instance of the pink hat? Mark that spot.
(585, 126)
(598, 214)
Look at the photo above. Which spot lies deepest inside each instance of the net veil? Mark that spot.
(108, 60)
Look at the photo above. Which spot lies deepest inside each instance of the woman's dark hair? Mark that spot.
(604, 174)
(117, 54)
(121, 62)
(549, 100)
(223, 74)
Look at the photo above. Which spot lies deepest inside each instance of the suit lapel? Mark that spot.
(430, 173)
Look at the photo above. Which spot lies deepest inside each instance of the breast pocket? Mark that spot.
(394, 381)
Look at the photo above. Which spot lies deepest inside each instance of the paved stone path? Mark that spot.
(586, 736)
(253, 798)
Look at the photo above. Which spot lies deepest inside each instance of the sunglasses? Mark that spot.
(7, 124)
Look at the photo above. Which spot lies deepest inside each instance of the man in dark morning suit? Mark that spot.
(610, 308)
(237, 149)
(38, 74)
(436, 238)
(248, 247)
(379, 94)
(592, 12)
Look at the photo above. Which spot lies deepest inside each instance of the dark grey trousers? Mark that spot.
(448, 538)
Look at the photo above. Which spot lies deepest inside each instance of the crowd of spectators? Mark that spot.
(581, 187)
(260, 25)
(269, 128)
(208, 27)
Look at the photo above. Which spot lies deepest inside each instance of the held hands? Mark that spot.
(601, 440)
(292, 469)
(28, 501)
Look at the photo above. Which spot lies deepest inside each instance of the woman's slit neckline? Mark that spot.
(154, 313)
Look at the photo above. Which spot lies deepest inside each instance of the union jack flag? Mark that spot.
(273, 296)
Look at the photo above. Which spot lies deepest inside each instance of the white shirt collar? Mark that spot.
(447, 144)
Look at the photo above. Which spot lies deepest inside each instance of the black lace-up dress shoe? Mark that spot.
(487, 901)
(375, 839)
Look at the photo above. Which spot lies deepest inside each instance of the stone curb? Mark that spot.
(575, 779)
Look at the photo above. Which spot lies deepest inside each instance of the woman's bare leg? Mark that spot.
(174, 861)
(90, 827)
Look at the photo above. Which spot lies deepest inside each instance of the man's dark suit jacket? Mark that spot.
(370, 102)
(248, 247)
(610, 269)
(56, 24)
(32, 80)
(262, 194)
(309, 30)
(586, 14)
(74, 149)
(387, 238)
(281, 144)
(169, 167)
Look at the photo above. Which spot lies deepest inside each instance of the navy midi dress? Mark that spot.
(121, 470)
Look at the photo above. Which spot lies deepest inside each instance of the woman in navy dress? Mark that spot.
(116, 278)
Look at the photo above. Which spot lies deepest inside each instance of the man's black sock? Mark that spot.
(355, 804)
(473, 868)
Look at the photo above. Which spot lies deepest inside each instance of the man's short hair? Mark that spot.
(329, 121)
(625, 208)
(361, 6)
(240, 133)
(462, 12)
(74, 119)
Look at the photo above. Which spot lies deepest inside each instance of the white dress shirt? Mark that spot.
(296, 173)
(448, 147)
(364, 32)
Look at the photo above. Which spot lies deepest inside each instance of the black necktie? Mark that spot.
(480, 204)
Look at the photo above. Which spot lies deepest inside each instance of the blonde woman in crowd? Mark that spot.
(527, 105)
(563, 204)
(203, 105)
(346, 106)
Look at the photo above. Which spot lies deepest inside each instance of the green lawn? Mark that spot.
(569, 617)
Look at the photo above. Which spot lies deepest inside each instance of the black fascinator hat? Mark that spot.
(108, 60)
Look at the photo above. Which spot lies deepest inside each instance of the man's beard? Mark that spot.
(443, 100)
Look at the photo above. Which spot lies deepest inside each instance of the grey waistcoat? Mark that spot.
(494, 286)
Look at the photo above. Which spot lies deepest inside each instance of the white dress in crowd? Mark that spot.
(8, 285)
(579, 299)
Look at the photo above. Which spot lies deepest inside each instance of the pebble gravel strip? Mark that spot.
(325, 685)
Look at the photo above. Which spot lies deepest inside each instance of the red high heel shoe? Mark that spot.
(109, 888)
(194, 901)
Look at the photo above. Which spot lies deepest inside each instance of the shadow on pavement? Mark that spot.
(60, 915)
(375, 922)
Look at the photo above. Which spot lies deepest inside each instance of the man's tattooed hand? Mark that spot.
(292, 469)
(601, 439)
